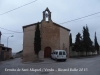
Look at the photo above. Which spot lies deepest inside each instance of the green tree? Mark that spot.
(70, 37)
(78, 43)
(93, 49)
(96, 44)
(37, 40)
(86, 40)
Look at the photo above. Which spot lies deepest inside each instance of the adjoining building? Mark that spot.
(53, 37)
(5, 53)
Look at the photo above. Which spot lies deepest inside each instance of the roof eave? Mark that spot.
(62, 26)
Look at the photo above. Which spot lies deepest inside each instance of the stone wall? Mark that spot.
(6, 55)
(64, 40)
(28, 43)
(10, 53)
(50, 35)
(74, 53)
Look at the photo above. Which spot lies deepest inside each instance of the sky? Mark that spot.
(62, 11)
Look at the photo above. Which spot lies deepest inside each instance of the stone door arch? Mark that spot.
(47, 52)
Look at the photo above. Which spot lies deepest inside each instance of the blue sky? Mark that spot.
(62, 11)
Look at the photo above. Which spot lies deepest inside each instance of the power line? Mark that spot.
(13, 10)
(10, 30)
(81, 17)
(10, 33)
(18, 7)
(59, 23)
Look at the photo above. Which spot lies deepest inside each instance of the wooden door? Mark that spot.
(47, 52)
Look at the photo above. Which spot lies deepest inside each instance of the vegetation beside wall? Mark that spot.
(83, 44)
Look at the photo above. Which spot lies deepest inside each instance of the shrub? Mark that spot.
(11, 57)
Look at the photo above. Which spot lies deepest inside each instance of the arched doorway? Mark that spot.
(47, 52)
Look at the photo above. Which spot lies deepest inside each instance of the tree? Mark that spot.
(96, 44)
(70, 37)
(19, 52)
(37, 40)
(92, 49)
(78, 43)
(0, 37)
(86, 40)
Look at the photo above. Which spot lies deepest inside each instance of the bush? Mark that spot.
(11, 57)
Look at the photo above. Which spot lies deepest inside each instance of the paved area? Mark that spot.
(73, 66)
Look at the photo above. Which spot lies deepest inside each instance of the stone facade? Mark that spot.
(5, 53)
(64, 40)
(53, 36)
(50, 35)
(28, 46)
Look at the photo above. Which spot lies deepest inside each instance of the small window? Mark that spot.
(60, 53)
(56, 53)
(64, 53)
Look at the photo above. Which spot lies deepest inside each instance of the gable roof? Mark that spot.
(30, 25)
(40, 23)
(61, 26)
